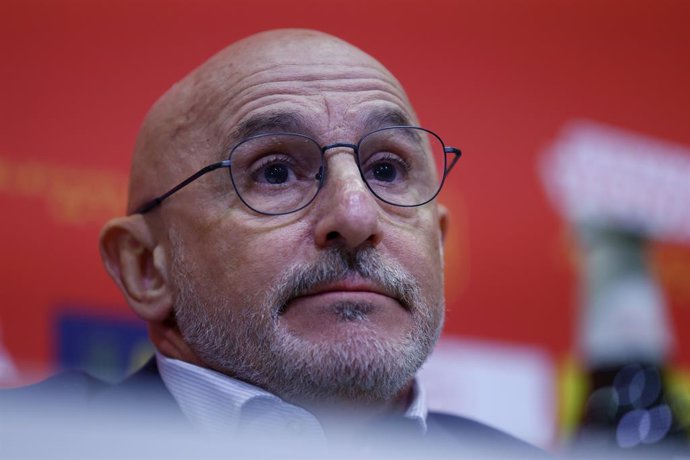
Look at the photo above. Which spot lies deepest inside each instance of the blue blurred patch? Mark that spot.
(106, 347)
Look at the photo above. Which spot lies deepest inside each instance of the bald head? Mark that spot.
(196, 120)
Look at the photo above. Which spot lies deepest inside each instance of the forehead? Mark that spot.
(326, 89)
(322, 105)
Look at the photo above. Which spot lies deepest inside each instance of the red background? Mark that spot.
(496, 78)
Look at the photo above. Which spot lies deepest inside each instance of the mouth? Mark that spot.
(349, 289)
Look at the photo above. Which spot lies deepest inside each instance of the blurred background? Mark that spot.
(568, 259)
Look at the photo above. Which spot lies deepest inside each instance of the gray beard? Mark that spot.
(247, 342)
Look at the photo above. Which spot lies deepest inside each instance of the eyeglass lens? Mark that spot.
(278, 173)
(402, 166)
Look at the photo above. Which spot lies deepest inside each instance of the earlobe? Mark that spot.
(138, 266)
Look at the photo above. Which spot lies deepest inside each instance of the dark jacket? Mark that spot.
(76, 408)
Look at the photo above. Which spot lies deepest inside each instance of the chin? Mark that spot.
(358, 367)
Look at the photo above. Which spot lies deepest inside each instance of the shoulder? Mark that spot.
(70, 387)
(75, 415)
(74, 390)
(478, 438)
(72, 402)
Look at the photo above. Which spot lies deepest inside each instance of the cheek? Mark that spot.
(417, 234)
(418, 250)
(243, 256)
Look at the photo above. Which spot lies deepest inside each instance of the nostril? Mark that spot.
(332, 235)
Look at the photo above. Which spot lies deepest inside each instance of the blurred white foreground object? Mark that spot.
(510, 387)
(601, 174)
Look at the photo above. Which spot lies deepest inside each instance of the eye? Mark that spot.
(275, 170)
(386, 168)
(384, 172)
(276, 173)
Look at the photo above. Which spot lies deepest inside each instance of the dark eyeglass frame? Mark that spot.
(155, 202)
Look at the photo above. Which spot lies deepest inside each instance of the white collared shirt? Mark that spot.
(216, 403)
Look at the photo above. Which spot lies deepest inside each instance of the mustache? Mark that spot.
(336, 264)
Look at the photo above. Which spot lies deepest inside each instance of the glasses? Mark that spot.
(281, 173)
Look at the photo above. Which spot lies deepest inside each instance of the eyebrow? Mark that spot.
(269, 123)
(386, 117)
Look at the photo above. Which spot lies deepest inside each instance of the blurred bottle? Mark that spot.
(626, 341)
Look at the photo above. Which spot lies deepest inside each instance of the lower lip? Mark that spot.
(319, 303)
(314, 317)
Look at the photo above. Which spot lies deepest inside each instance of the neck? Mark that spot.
(168, 340)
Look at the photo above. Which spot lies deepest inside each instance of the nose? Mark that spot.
(348, 213)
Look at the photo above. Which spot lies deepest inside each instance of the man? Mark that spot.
(294, 284)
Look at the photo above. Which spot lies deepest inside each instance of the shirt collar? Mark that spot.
(217, 403)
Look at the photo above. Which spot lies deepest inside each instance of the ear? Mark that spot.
(137, 264)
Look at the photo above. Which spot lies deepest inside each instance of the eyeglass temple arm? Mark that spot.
(455, 151)
(149, 205)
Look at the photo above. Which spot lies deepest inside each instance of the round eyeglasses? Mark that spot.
(281, 173)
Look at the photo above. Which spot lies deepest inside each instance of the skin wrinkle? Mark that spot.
(290, 122)
(295, 85)
(289, 89)
(307, 86)
(341, 83)
(337, 71)
(265, 101)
